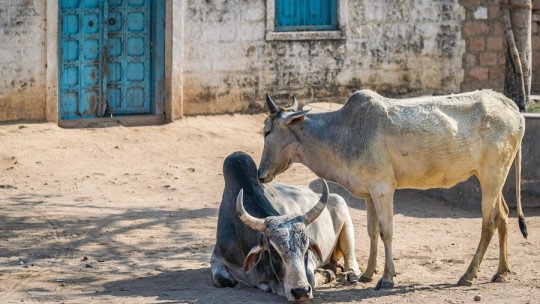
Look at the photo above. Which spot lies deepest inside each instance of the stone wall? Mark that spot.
(410, 47)
(22, 60)
(224, 63)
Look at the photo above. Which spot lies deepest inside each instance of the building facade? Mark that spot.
(85, 59)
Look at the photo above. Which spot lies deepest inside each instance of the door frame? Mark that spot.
(172, 61)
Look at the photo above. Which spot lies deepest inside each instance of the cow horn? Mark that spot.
(312, 214)
(254, 223)
(271, 105)
(294, 104)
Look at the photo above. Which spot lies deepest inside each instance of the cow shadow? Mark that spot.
(195, 286)
(417, 203)
(185, 286)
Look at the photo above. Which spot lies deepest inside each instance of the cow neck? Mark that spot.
(319, 145)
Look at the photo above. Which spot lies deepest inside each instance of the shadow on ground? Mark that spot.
(171, 286)
(416, 203)
(32, 236)
(185, 286)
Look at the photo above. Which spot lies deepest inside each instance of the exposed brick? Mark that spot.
(479, 73)
(494, 12)
(475, 28)
(536, 59)
(495, 28)
(535, 42)
(496, 72)
(496, 84)
(470, 60)
(501, 58)
(470, 86)
(488, 59)
(476, 44)
(494, 44)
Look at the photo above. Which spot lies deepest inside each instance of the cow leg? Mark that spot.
(373, 232)
(220, 275)
(346, 246)
(384, 206)
(490, 213)
(504, 269)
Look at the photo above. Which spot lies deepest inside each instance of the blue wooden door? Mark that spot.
(128, 63)
(107, 58)
(81, 63)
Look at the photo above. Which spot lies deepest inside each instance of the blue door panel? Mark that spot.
(108, 63)
(81, 62)
(129, 35)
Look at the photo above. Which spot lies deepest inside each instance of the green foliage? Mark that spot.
(534, 107)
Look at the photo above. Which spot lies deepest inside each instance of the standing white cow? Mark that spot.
(374, 145)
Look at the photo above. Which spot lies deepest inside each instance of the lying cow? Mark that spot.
(275, 237)
(374, 145)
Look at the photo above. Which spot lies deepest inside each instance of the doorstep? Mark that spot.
(103, 122)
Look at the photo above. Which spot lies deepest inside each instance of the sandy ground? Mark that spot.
(128, 215)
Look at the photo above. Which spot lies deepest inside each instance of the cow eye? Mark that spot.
(266, 133)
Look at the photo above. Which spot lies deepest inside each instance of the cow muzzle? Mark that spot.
(301, 294)
(264, 176)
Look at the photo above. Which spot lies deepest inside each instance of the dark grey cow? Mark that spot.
(275, 237)
(375, 145)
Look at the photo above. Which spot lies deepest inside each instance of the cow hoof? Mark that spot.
(384, 284)
(352, 277)
(365, 279)
(348, 276)
(498, 278)
(464, 282)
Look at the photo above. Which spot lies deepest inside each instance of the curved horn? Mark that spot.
(271, 105)
(312, 214)
(294, 104)
(254, 223)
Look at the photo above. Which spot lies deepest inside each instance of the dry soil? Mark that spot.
(128, 215)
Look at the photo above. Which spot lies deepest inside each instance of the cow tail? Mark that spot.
(521, 217)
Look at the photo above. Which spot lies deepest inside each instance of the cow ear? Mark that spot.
(253, 257)
(294, 118)
(315, 250)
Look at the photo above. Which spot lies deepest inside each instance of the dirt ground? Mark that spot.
(128, 215)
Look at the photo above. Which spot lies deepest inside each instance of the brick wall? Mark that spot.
(535, 29)
(484, 59)
(22, 60)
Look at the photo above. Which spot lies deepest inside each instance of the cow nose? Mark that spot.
(301, 294)
(263, 177)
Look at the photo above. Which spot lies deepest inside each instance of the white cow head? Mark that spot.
(287, 244)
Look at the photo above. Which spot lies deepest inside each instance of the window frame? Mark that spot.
(337, 34)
